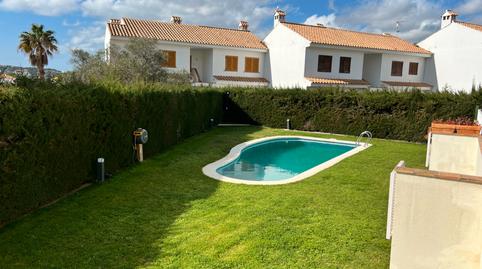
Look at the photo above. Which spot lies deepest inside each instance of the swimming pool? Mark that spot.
(280, 159)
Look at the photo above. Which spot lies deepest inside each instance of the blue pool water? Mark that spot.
(281, 158)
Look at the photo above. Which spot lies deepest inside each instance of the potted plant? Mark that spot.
(462, 125)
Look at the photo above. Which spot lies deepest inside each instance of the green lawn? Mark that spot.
(166, 214)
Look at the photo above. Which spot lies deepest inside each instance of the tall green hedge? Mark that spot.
(393, 115)
(51, 135)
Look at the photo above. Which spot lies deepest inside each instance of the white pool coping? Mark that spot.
(210, 169)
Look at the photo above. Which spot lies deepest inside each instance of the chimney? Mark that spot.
(176, 19)
(279, 16)
(243, 26)
(447, 18)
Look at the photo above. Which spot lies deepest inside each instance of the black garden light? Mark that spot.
(140, 138)
(100, 170)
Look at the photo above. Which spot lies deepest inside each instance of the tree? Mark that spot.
(139, 60)
(38, 45)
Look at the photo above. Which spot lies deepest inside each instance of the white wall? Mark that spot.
(183, 52)
(436, 224)
(219, 62)
(372, 64)
(386, 68)
(208, 66)
(311, 65)
(455, 154)
(202, 61)
(287, 58)
(107, 40)
(223, 83)
(457, 56)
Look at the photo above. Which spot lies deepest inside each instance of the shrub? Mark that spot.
(138, 60)
(393, 115)
(51, 135)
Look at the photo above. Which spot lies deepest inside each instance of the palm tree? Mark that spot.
(39, 45)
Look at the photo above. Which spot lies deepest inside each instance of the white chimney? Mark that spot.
(243, 26)
(447, 18)
(176, 19)
(279, 16)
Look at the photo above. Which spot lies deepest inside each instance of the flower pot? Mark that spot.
(442, 128)
(468, 130)
(446, 128)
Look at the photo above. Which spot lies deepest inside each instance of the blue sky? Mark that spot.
(81, 23)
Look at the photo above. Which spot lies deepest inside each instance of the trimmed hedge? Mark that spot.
(392, 115)
(51, 135)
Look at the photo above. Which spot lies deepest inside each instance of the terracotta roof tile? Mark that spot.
(407, 84)
(477, 27)
(187, 33)
(242, 79)
(328, 81)
(340, 37)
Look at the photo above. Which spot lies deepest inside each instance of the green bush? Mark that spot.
(393, 115)
(51, 135)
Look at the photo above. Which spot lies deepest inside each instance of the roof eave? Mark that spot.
(125, 38)
(420, 54)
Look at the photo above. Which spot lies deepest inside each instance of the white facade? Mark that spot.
(293, 58)
(219, 56)
(387, 59)
(311, 63)
(287, 54)
(208, 61)
(457, 51)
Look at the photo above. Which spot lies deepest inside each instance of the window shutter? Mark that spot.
(413, 69)
(397, 68)
(255, 65)
(170, 59)
(231, 63)
(251, 65)
(345, 65)
(324, 63)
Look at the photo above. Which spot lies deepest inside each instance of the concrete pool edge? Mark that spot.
(210, 170)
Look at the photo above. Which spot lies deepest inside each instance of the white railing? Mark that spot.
(366, 134)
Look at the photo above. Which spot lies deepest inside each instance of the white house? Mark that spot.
(457, 55)
(212, 55)
(308, 56)
(292, 55)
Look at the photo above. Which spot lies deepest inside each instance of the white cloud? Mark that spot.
(90, 38)
(331, 4)
(470, 7)
(41, 7)
(226, 13)
(70, 24)
(328, 20)
(417, 19)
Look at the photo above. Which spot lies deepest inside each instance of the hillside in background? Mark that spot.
(30, 72)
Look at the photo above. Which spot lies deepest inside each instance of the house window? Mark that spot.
(231, 63)
(345, 65)
(251, 65)
(413, 69)
(170, 59)
(324, 63)
(397, 68)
